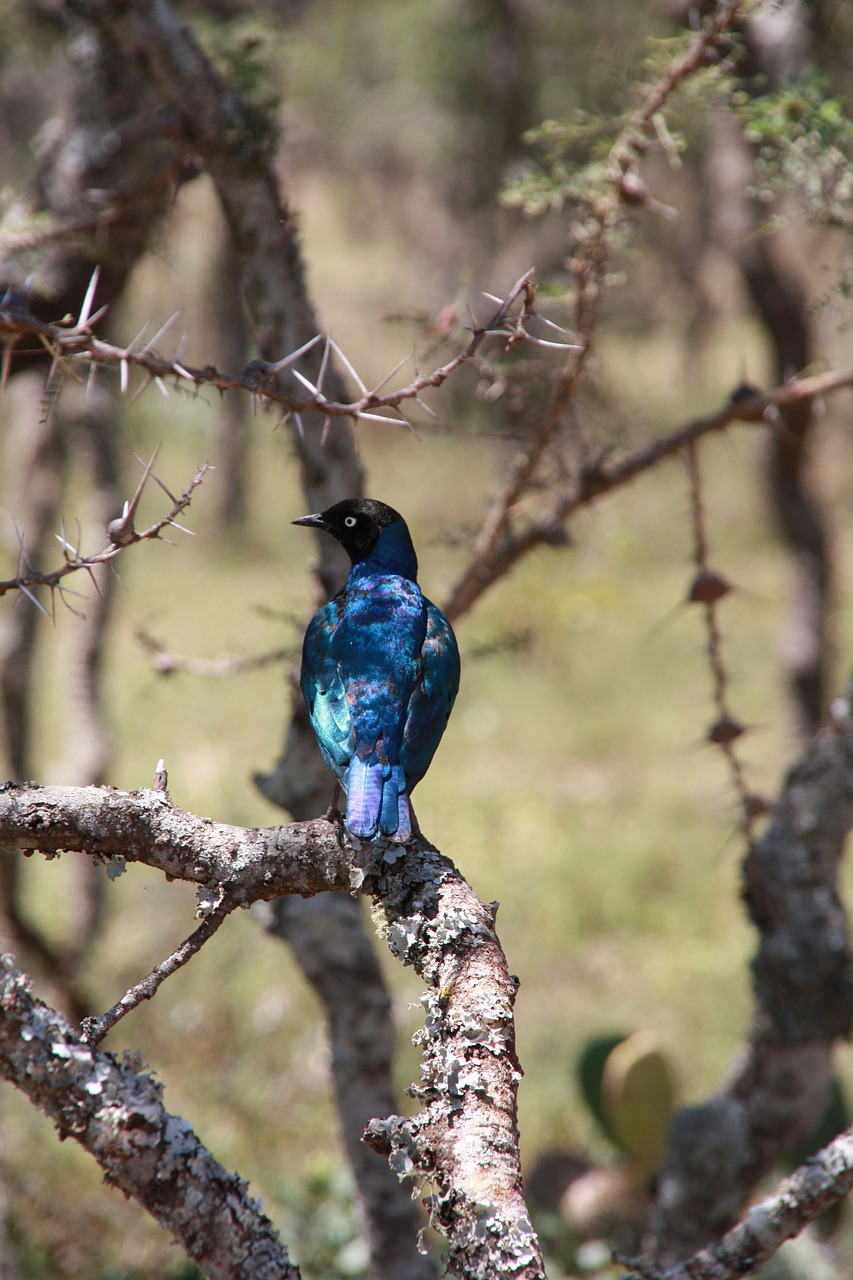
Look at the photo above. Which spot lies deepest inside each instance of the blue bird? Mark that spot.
(380, 669)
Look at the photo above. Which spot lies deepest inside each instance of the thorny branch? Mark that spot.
(548, 527)
(707, 590)
(75, 346)
(497, 547)
(121, 533)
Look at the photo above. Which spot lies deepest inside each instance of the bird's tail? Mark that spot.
(377, 803)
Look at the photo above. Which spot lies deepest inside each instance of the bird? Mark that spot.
(380, 670)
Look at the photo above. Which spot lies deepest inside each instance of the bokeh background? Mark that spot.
(574, 784)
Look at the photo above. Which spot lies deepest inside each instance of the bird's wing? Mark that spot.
(433, 696)
(323, 689)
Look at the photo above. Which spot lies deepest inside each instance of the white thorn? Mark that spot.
(89, 299)
(163, 328)
(309, 385)
(387, 379)
(378, 417)
(38, 604)
(294, 355)
(351, 369)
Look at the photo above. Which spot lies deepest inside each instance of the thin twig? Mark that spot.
(708, 589)
(94, 1029)
(166, 662)
(121, 533)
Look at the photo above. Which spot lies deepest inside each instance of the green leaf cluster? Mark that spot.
(804, 141)
(569, 164)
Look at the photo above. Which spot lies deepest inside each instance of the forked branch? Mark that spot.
(464, 1141)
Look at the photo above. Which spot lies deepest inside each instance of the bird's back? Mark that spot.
(380, 672)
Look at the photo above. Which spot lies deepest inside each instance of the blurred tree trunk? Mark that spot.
(776, 45)
(230, 344)
(236, 144)
(780, 301)
(490, 83)
(106, 170)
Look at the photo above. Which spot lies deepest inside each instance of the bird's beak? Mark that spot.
(313, 522)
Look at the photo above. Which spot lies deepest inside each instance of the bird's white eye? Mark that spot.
(350, 522)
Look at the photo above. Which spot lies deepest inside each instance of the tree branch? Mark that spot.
(121, 534)
(75, 345)
(116, 1113)
(803, 978)
(821, 1182)
(498, 546)
(94, 1029)
(465, 1139)
(548, 528)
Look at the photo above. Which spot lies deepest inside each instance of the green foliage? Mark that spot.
(570, 167)
(804, 141)
(578, 157)
(628, 1084)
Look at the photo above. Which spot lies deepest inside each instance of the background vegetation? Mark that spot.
(575, 784)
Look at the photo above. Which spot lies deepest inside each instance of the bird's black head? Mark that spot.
(357, 523)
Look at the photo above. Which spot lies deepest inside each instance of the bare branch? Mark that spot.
(165, 661)
(94, 1029)
(499, 548)
(824, 1180)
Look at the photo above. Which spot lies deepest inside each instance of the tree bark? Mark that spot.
(116, 1113)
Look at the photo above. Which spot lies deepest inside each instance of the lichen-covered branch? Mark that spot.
(115, 1111)
(464, 1141)
(254, 865)
(821, 1182)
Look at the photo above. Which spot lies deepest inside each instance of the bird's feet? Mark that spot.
(334, 815)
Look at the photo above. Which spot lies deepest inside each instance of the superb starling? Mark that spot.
(380, 669)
